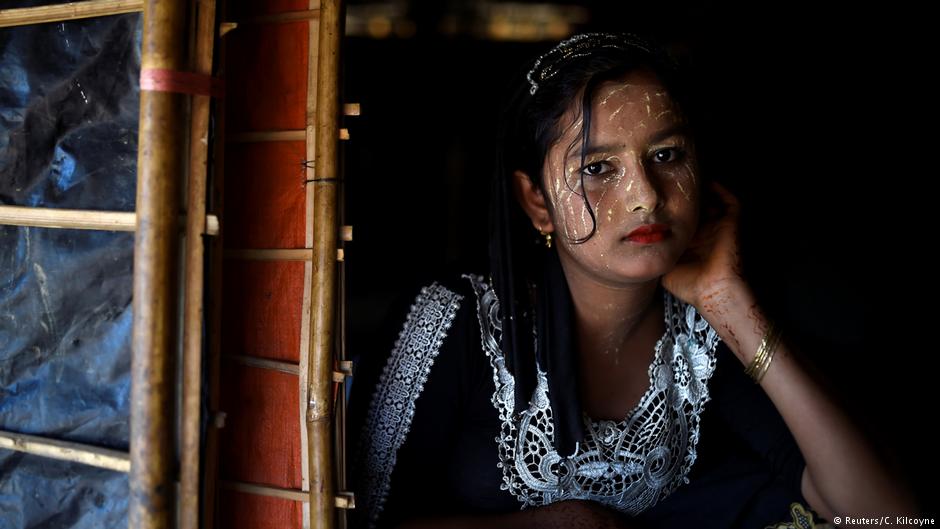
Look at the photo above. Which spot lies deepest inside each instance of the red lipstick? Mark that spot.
(649, 233)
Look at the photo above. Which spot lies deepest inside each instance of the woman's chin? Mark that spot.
(623, 267)
(641, 270)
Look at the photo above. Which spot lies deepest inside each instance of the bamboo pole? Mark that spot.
(340, 406)
(214, 323)
(190, 440)
(25, 16)
(83, 219)
(159, 166)
(323, 288)
(313, 44)
(342, 377)
(66, 451)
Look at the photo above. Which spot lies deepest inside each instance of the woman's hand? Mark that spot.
(844, 473)
(712, 261)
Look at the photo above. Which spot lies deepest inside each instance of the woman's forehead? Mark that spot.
(635, 105)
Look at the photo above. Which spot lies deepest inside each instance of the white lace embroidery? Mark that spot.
(628, 465)
(402, 381)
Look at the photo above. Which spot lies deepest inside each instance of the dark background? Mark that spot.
(814, 118)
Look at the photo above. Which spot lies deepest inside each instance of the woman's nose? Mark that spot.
(642, 193)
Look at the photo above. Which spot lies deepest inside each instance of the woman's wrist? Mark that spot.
(731, 309)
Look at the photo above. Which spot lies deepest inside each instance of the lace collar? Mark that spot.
(628, 465)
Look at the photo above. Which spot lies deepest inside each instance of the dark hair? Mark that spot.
(533, 122)
(527, 277)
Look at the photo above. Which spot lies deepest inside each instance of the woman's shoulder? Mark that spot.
(432, 326)
(459, 285)
(465, 285)
(412, 395)
(445, 304)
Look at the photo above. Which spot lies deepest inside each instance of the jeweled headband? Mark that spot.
(548, 64)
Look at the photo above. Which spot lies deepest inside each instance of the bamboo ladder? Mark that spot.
(156, 225)
(322, 434)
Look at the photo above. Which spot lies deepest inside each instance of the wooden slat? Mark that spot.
(265, 490)
(264, 363)
(271, 254)
(212, 225)
(278, 254)
(278, 135)
(268, 135)
(286, 367)
(68, 218)
(286, 16)
(25, 16)
(225, 27)
(80, 219)
(66, 451)
(343, 500)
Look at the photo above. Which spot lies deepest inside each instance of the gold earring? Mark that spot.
(548, 237)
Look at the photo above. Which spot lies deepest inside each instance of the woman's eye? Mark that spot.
(670, 154)
(595, 169)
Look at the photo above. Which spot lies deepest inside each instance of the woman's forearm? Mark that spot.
(843, 471)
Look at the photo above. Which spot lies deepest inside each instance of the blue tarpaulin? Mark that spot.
(69, 104)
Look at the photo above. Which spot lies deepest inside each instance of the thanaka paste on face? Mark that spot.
(612, 195)
(568, 195)
(616, 89)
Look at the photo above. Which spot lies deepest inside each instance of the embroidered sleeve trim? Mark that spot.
(401, 383)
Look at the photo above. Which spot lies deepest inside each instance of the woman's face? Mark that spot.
(640, 169)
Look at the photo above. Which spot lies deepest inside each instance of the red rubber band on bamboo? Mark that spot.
(158, 80)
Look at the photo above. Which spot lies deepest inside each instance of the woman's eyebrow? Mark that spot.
(594, 149)
(677, 129)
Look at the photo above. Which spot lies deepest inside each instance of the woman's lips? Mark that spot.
(649, 233)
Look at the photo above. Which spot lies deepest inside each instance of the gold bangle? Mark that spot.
(765, 354)
(772, 342)
(759, 357)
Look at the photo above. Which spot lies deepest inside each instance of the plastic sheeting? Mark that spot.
(69, 104)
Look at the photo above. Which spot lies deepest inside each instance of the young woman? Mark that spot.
(602, 373)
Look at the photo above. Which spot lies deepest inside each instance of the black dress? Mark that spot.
(424, 435)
